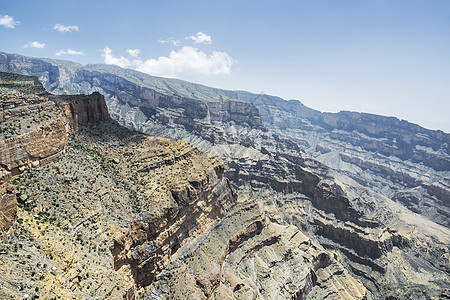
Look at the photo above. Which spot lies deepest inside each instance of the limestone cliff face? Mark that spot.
(34, 148)
(400, 160)
(83, 109)
(188, 111)
(387, 127)
(148, 247)
(239, 112)
(179, 110)
(34, 128)
(350, 182)
(47, 124)
(246, 256)
(367, 230)
(8, 202)
(194, 240)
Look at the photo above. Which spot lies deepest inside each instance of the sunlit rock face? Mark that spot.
(8, 203)
(371, 192)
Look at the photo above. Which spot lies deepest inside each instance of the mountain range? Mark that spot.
(299, 204)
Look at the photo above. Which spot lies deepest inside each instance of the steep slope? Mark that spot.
(71, 209)
(114, 211)
(400, 160)
(394, 251)
(8, 203)
(246, 256)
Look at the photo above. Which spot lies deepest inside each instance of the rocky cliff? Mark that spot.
(247, 256)
(143, 203)
(35, 124)
(34, 129)
(349, 181)
(193, 205)
(8, 203)
(83, 109)
(400, 160)
(105, 180)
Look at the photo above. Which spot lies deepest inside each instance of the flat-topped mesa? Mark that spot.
(34, 124)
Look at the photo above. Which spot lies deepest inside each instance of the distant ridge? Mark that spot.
(171, 86)
(373, 191)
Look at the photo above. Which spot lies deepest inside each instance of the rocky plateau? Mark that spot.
(105, 212)
(305, 204)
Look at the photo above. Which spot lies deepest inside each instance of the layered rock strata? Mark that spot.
(398, 159)
(195, 205)
(34, 129)
(349, 210)
(82, 109)
(35, 124)
(245, 256)
(368, 230)
(8, 202)
(142, 202)
(109, 182)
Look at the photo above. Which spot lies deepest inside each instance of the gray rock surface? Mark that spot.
(372, 189)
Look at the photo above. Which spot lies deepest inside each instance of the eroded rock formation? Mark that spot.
(8, 202)
(148, 246)
(39, 123)
(371, 190)
(34, 129)
(247, 256)
(82, 110)
(149, 201)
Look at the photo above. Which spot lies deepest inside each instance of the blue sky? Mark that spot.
(387, 57)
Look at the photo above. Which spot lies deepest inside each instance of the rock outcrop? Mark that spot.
(144, 202)
(368, 230)
(34, 148)
(371, 190)
(83, 109)
(195, 205)
(396, 158)
(245, 256)
(8, 202)
(35, 124)
(34, 129)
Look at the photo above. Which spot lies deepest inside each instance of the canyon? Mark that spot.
(99, 191)
(301, 204)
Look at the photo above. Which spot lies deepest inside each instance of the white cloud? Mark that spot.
(111, 60)
(134, 52)
(170, 41)
(8, 21)
(65, 28)
(69, 52)
(188, 61)
(34, 44)
(200, 38)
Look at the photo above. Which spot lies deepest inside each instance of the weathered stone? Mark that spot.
(8, 202)
(344, 202)
(45, 138)
(83, 109)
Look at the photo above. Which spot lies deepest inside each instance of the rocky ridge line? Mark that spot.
(262, 161)
(140, 201)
